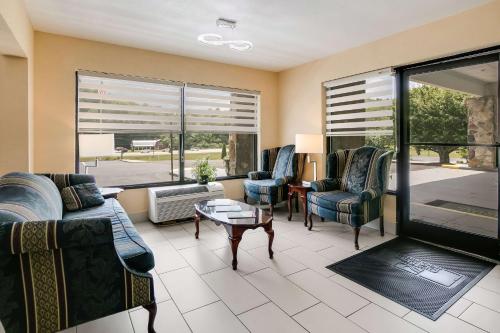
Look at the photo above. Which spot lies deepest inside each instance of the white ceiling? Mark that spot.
(285, 33)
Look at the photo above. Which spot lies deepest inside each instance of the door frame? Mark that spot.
(478, 244)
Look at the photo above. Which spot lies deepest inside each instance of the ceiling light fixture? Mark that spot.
(218, 40)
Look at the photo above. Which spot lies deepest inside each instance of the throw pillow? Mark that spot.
(81, 196)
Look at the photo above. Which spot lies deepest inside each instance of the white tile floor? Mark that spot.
(198, 291)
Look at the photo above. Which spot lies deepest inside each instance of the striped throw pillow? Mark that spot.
(81, 196)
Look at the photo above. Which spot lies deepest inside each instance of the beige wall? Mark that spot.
(57, 59)
(16, 87)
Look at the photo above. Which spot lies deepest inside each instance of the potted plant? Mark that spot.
(204, 172)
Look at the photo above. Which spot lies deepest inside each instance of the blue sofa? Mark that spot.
(354, 189)
(59, 269)
(279, 167)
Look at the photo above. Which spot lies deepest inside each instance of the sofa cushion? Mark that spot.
(340, 201)
(128, 243)
(81, 196)
(28, 197)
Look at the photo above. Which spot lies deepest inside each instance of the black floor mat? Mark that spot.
(422, 277)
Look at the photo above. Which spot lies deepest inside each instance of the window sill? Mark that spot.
(159, 184)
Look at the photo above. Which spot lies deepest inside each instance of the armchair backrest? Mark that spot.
(286, 163)
(268, 159)
(360, 169)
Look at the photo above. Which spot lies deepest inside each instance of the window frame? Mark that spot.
(182, 179)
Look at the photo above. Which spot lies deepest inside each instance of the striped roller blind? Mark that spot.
(360, 105)
(211, 109)
(109, 104)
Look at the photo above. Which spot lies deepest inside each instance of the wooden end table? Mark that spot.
(301, 191)
(110, 192)
(236, 227)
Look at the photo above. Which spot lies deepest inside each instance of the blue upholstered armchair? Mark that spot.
(280, 166)
(353, 191)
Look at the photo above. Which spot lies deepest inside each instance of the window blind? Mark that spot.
(115, 105)
(210, 109)
(360, 105)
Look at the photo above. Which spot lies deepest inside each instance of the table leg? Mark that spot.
(197, 224)
(290, 195)
(304, 206)
(270, 232)
(235, 236)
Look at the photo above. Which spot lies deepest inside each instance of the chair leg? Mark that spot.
(310, 218)
(322, 219)
(271, 209)
(382, 232)
(151, 308)
(356, 236)
(245, 197)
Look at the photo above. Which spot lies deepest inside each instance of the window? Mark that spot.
(360, 111)
(224, 125)
(130, 130)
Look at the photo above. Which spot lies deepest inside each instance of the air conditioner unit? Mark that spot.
(177, 202)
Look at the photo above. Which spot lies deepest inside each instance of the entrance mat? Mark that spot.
(464, 208)
(424, 278)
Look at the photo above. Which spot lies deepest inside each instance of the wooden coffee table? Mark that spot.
(236, 227)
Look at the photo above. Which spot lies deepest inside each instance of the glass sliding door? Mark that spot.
(451, 140)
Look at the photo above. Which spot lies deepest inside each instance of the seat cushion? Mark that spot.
(264, 186)
(128, 243)
(340, 201)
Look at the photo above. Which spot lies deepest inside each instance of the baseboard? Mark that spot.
(139, 217)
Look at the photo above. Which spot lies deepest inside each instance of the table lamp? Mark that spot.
(309, 144)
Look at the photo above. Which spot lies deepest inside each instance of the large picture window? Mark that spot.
(134, 131)
(360, 110)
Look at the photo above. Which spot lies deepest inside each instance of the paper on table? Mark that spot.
(227, 209)
(240, 215)
(219, 202)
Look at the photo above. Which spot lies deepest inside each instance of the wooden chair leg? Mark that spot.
(322, 219)
(151, 308)
(356, 236)
(245, 197)
(271, 209)
(310, 220)
(382, 232)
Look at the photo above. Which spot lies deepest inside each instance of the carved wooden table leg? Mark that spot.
(197, 224)
(290, 195)
(235, 235)
(303, 197)
(270, 232)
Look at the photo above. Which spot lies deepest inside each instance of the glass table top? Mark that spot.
(231, 212)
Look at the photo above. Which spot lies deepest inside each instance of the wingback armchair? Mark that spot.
(353, 191)
(279, 167)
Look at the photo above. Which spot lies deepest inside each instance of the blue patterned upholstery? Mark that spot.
(280, 166)
(59, 270)
(353, 191)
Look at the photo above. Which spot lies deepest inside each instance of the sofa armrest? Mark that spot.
(325, 185)
(370, 194)
(259, 175)
(19, 237)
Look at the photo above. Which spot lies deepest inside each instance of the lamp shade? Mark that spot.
(309, 143)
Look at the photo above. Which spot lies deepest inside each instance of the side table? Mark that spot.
(301, 191)
(110, 192)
